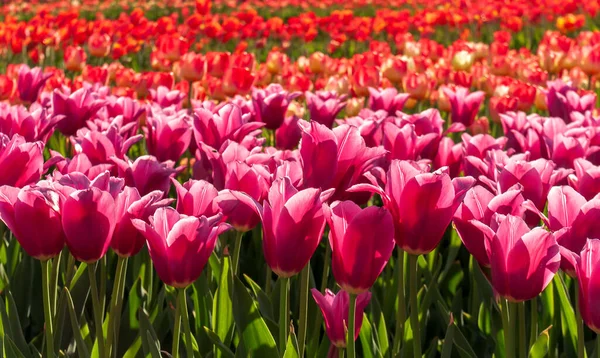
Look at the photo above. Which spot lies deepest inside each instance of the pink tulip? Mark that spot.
(464, 105)
(271, 103)
(80, 163)
(335, 308)
(146, 173)
(588, 276)
(129, 109)
(324, 106)
(562, 100)
(33, 215)
(30, 83)
(88, 214)
(478, 207)
(586, 179)
(336, 158)
(33, 124)
(77, 108)
(387, 99)
(362, 241)
(166, 97)
(480, 144)
(21, 162)
(196, 198)
(226, 123)
(100, 146)
(126, 240)
(523, 261)
(168, 135)
(180, 245)
(289, 134)
(422, 204)
(293, 223)
(449, 155)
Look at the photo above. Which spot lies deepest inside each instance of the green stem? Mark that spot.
(351, 323)
(340, 352)
(401, 312)
(580, 336)
(414, 306)
(97, 310)
(509, 350)
(116, 302)
(54, 282)
(70, 271)
(47, 308)
(268, 280)
(534, 321)
(598, 346)
(283, 312)
(102, 297)
(522, 332)
(237, 245)
(176, 329)
(186, 323)
(302, 324)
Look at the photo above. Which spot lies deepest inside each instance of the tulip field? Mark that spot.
(300, 178)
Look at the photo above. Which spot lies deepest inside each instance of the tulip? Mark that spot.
(30, 83)
(193, 67)
(196, 198)
(226, 123)
(324, 106)
(126, 240)
(145, 173)
(464, 105)
(21, 162)
(387, 99)
(168, 136)
(179, 247)
(130, 110)
(334, 308)
(587, 275)
(523, 261)
(99, 44)
(99, 147)
(74, 58)
(362, 241)
(336, 158)
(270, 104)
(586, 179)
(77, 108)
(287, 137)
(20, 207)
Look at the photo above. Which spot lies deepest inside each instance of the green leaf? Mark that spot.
(291, 347)
(150, 341)
(252, 329)
(14, 323)
(380, 332)
(218, 344)
(215, 265)
(11, 349)
(82, 348)
(264, 302)
(222, 318)
(448, 341)
(366, 338)
(540, 347)
(202, 299)
(567, 313)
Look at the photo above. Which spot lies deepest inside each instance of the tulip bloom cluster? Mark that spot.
(379, 195)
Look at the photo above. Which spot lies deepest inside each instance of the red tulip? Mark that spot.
(523, 261)
(180, 245)
(33, 215)
(334, 308)
(362, 241)
(588, 277)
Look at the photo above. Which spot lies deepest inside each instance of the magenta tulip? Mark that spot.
(271, 103)
(126, 240)
(180, 245)
(523, 261)
(146, 173)
(588, 275)
(463, 105)
(77, 108)
(334, 308)
(21, 162)
(168, 135)
(362, 241)
(33, 215)
(30, 83)
(387, 99)
(323, 106)
(586, 179)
